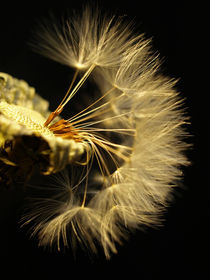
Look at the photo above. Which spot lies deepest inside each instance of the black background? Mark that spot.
(180, 248)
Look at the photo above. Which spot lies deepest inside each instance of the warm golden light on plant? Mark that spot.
(119, 157)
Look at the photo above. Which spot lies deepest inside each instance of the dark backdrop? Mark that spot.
(171, 252)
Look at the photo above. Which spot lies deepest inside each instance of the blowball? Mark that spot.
(131, 132)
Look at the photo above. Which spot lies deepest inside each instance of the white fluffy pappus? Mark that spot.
(134, 128)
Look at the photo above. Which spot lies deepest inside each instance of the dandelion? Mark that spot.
(119, 157)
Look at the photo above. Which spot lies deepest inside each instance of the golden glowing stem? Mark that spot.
(59, 109)
(93, 115)
(78, 115)
(69, 94)
(80, 83)
(100, 121)
(70, 87)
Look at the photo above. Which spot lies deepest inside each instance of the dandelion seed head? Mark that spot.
(125, 148)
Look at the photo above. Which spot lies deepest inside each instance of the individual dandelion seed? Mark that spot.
(130, 134)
